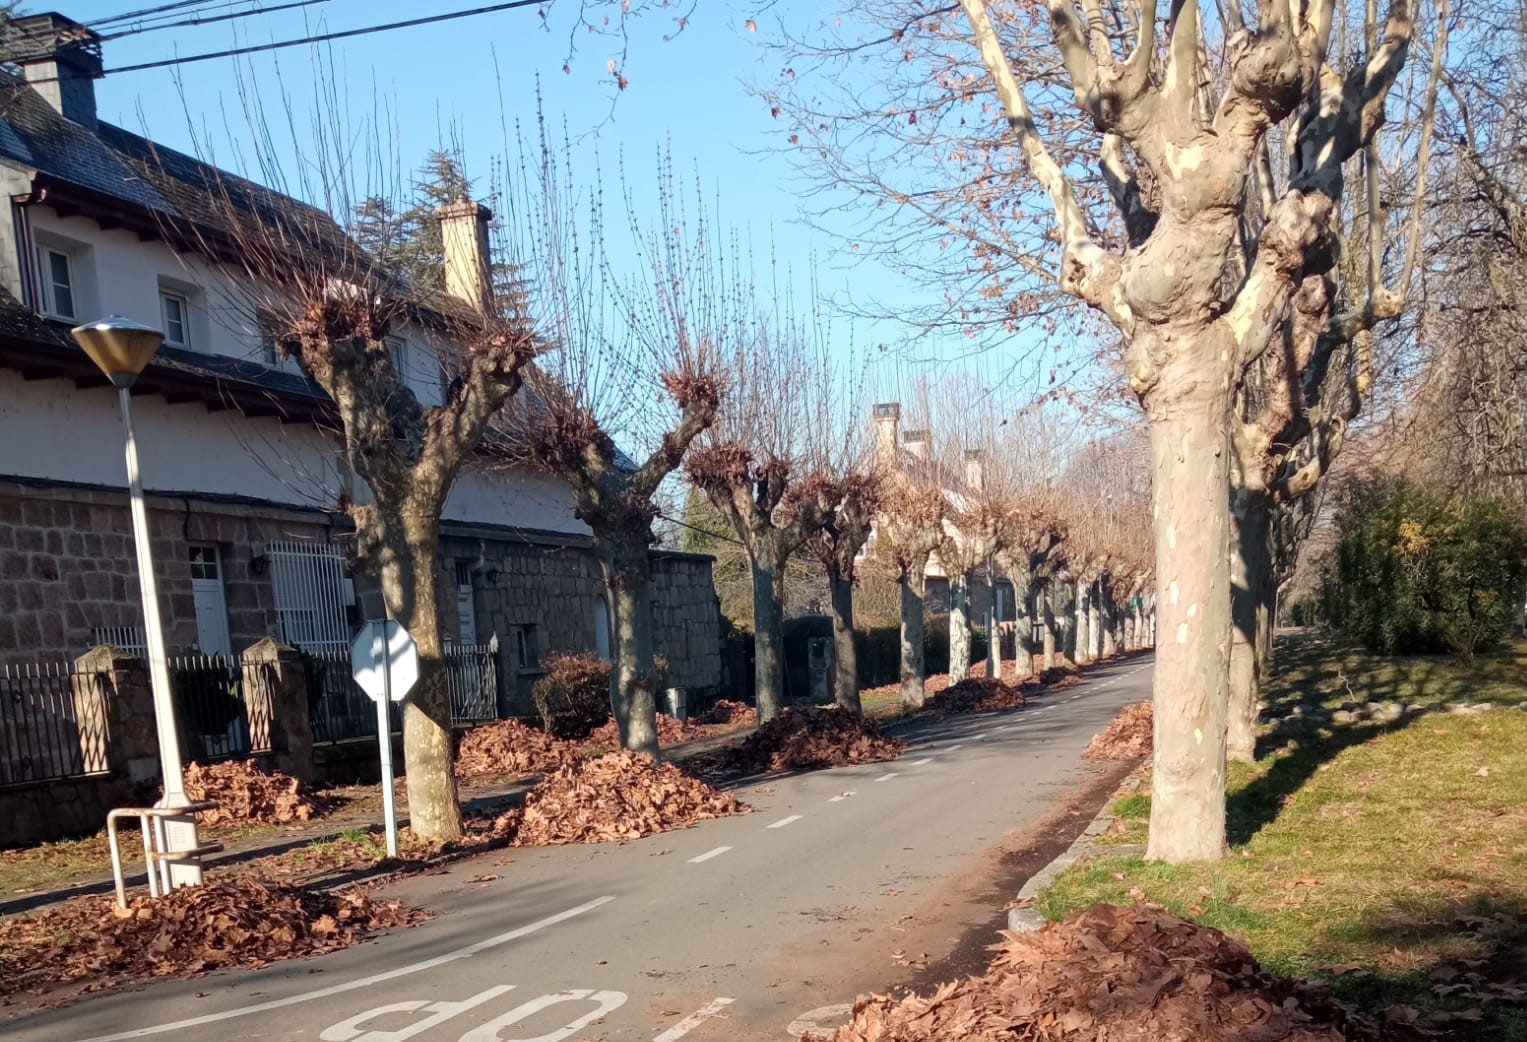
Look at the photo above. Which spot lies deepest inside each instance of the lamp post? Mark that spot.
(121, 348)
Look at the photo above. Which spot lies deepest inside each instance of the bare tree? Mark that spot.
(848, 505)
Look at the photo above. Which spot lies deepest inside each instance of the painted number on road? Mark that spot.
(365, 1026)
(824, 1020)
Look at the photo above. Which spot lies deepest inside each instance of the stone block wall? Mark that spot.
(688, 616)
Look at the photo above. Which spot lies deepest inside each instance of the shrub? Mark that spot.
(573, 697)
(1415, 572)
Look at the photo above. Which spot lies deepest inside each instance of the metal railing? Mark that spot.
(41, 737)
(471, 676)
(209, 707)
(341, 710)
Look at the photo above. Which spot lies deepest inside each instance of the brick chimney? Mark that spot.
(975, 470)
(61, 60)
(887, 419)
(916, 443)
(464, 243)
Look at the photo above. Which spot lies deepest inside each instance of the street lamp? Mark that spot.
(121, 348)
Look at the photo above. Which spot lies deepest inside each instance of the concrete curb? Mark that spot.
(1027, 917)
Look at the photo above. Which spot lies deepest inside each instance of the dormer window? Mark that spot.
(177, 319)
(56, 280)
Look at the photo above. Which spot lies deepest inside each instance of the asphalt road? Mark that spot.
(841, 882)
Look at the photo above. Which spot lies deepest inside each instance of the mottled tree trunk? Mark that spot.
(1023, 631)
(410, 559)
(633, 688)
(845, 659)
(1190, 483)
(959, 627)
(913, 587)
(768, 658)
(1252, 588)
(1096, 622)
(993, 628)
(1110, 614)
(1047, 618)
(1128, 628)
(1081, 639)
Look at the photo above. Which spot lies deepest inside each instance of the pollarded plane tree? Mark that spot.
(764, 462)
(639, 355)
(847, 503)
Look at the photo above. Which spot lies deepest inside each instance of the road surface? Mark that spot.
(755, 927)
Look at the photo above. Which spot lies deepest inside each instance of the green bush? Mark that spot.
(1415, 572)
(573, 697)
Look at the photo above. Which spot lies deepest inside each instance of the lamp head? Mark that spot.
(119, 347)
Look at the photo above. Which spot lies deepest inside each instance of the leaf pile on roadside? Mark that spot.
(1055, 676)
(728, 713)
(1109, 974)
(507, 748)
(230, 920)
(1128, 737)
(246, 795)
(670, 731)
(621, 796)
(809, 737)
(975, 695)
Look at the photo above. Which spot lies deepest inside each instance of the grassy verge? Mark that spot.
(1390, 861)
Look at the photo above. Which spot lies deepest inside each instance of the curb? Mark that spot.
(1027, 917)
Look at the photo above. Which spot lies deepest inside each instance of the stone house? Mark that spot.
(241, 463)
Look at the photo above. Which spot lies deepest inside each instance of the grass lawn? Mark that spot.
(1390, 861)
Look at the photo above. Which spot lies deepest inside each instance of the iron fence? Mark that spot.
(341, 710)
(41, 737)
(209, 707)
(471, 675)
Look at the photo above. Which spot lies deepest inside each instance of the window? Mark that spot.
(56, 279)
(526, 648)
(177, 319)
(397, 354)
(308, 580)
(204, 562)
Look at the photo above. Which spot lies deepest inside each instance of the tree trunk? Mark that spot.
(1190, 463)
(768, 661)
(1023, 631)
(1252, 588)
(1128, 628)
(633, 688)
(845, 660)
(1110, 625)
(913, 586)
(1048, 620)
(1082, 640)
(993, 627)
(1096, 621)
(410, 555)
(959, 627)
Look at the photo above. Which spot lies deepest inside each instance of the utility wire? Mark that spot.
(325, 37)
(147, 11)
(196, 20)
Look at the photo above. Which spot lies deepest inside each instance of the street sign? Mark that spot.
(385, 643)
(385, 662)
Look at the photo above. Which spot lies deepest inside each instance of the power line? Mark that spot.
(234, 52)
(198, 20)
(147, 11)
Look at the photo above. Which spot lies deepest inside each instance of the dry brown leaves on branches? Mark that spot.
(1128, 737)
(506, 748)
(974, 695)
(621, 796)
(1109, 975)
(809, 737)
(246, 795)
(231, 920)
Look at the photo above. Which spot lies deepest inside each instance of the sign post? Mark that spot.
(385, 662)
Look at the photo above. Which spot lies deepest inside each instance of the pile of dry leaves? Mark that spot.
(507, 748)
(728, 714)
(975, 695)
(231, 920)
(246, 795)
(670, 731)
(1109, 975)
(1058, 676)
(1127, 738)
(621, 796)
(809, 737)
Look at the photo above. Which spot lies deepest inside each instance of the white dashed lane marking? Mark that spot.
(887, 776)
(840, 797)
(693, 1021)
(782, 822)
(708, 855)
(919, 763)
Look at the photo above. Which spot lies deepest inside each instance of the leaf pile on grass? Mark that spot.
(508, 747)
(231, 920)
(669, 732)
(1110, 974)
(809, 737)
(975, 695)
(247, 795)
(1058, 676)
(1128, 737)
(728, 713)
(621, 796)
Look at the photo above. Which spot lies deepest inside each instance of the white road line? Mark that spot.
(782, 822)
(840, 797)
(362, 982)
(708, 855)
(694, 1020)
(955, 748)
(919, 763)
(886, 777)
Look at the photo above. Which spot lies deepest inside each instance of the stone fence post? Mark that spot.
(114, 711)
(280, 713)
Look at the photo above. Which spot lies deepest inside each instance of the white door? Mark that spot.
(466, 615)
(211, 605)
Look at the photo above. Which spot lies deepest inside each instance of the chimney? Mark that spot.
(464, 243)
(61, 60)
(917, 443)
(975, 470)
(887, 418)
